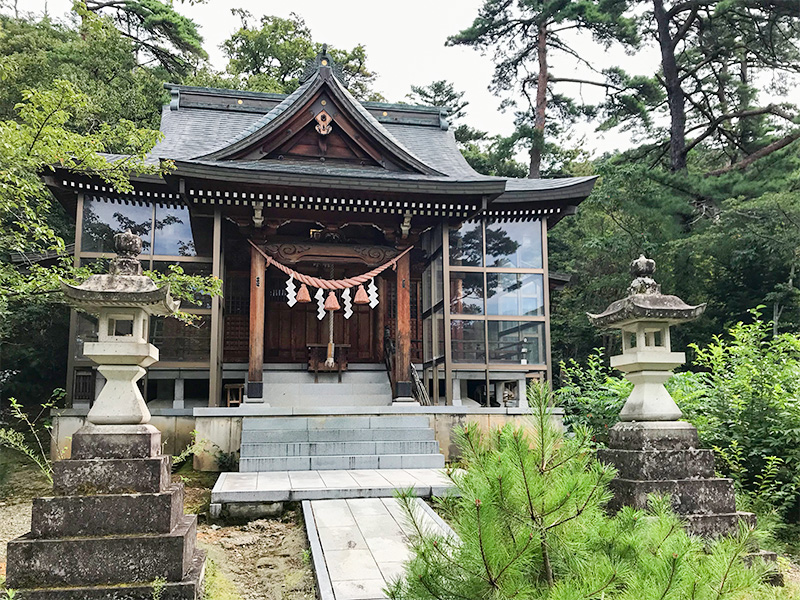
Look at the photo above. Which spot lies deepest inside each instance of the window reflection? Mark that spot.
(189, 268)
(466, 293)
(173, 231)
(177, 341)
(466, 245)
(517, 342)
(512, 294)
(103, 218)
(514, 245)
(467, 338)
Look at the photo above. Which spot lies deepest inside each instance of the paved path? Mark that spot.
(360, 545)
(291, 486)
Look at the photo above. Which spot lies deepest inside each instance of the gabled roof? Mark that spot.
(244, 137)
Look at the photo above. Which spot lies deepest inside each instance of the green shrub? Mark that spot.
(531, 524)
(747, 407)
(591, 396)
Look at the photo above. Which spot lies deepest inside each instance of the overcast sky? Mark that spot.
(405, 43)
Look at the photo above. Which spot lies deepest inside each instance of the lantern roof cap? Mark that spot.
(645, 302)
(124, 286)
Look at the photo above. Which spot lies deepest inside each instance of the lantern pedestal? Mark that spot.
(114, 525)
(662, 457)
(648, 370)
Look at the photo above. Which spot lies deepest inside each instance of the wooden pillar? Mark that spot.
(402, 378)
(255, 387)
(215, 353)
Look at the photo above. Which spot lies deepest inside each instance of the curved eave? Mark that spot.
(573, 188)
(155, 302)
(646, 307)
(324, 77)
(357, 181)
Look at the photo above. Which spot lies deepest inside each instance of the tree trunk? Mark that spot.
(541, 105)
(675, 97)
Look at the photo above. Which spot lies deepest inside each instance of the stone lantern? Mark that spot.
(654, 452)
(123, 300)
(114, 525)
(647, 360)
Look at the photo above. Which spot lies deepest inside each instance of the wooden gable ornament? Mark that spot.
(322, 122)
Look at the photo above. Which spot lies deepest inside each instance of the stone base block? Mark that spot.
(112, 476)
(116, 441)
(652, 435)
(190, 588)
(118, 514)
(688, 496)
(94, 561)
(660, 464)
(711, 526)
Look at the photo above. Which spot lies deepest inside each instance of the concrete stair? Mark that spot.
(338, 442)
(362, 385)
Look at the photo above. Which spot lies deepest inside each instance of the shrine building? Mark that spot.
(432, 280)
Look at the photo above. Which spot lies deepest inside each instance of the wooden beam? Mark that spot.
(403, 332)
(215, 353)
(258, 265)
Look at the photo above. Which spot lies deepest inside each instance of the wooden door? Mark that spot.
(288, 330)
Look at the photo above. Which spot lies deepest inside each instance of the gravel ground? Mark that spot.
(15, 519)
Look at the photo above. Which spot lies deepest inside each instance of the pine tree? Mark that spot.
(530, 523)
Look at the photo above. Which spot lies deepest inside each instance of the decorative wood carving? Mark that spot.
(291, 254)
(324, 121)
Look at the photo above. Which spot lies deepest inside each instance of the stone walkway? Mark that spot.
(292, 486)
(359, 545)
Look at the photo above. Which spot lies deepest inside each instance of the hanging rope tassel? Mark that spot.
(329, 362)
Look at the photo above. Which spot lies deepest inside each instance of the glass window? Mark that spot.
(511, 294)
(516, 244)
(190, 268)
(426, 288)
(427, 339)
(439, 319)
(467, 338)
(466, 245)
(173, 231)
(517, 342)
(86, 331)
(466, 293)
(437, 293)
(103, 218)
(177, 341)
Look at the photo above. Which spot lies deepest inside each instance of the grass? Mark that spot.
(197, 487)
(217, 586)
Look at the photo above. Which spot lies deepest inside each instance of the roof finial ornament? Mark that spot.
(642, 270)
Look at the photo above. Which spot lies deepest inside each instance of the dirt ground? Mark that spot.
(267, 559)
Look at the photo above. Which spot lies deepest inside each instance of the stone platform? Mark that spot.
(662, 457)
(113, 528)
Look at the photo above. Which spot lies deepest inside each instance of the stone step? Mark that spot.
(660, 464)
(385, 434)
(688, 496)
(343, 422)
(327, 402)
(711, 526)
(189, 588)
(73, 561)
(348, 378)
(309, 388)
(320, 463)
(112, 476)
(278, 449)
(120, 514)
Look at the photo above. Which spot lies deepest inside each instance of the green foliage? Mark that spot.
(591, 396)
(530, 524)
(30, 439)
(92, 55)
(157, 30)
(271, 55)
(749, 410)
(440, 93)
